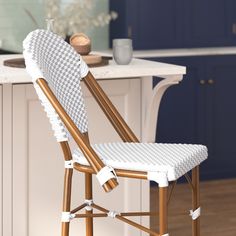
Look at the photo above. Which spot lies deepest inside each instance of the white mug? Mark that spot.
(122, 51)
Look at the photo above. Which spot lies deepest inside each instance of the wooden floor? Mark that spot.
(218, 202)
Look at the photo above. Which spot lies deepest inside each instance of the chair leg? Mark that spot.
(163, 211)
(67, 199)
(195, 200)
(65, 228)
(89, 196)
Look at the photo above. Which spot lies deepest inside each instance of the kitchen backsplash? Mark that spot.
(15, 24)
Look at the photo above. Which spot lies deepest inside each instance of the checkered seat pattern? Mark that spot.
(173, 159)
(48, 56)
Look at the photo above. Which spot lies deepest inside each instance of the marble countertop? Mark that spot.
(137, 68)
(182, 52)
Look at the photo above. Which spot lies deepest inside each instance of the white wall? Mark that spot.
(15, 23)
(100, 36)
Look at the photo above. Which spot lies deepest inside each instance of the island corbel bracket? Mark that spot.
(152, 108)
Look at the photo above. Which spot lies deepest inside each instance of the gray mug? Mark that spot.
(122, 51)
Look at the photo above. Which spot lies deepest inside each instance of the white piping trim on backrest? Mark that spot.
(57, 126)
(31, 67)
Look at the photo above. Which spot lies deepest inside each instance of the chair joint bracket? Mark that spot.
(66, 216)
(69, 164)
(113, 214)
(105, 174)
(88, 203)
(196, 213)
(159, 177)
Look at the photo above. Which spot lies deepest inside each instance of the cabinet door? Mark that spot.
(38, 164)
(157, 24)
(221, 117)
(151, 24)
(209, 23)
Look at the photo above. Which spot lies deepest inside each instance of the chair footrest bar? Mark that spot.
(139, 214)
(195, 214)
(78, 208)
(91, 215)
(120, 217)
(88, 204)
(106, 214)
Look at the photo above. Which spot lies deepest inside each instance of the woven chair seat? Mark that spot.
(174, 159)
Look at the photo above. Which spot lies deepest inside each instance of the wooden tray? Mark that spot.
(17, 62)
(20, 62)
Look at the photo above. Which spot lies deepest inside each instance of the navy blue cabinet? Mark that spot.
(209, 23)
(151, 24)
(221, 115)
(157, 24)
(202, 109)
(179, 110)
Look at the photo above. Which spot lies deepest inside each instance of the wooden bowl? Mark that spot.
(92, 59)
(81, 43)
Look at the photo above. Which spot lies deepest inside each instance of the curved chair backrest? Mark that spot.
(48, 56)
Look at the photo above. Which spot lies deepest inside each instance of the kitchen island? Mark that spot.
(29, 199)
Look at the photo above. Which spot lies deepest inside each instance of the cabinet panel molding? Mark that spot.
(1, 163)
(7, 208)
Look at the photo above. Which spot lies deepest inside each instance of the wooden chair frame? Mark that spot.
(96, 165)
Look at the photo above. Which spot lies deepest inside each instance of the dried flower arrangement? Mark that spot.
(76, 16)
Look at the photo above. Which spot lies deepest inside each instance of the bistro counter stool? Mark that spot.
(57, 70)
